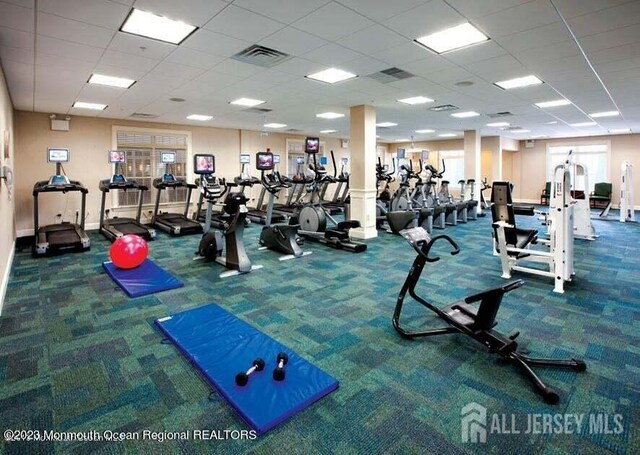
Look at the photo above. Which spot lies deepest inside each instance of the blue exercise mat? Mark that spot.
(220, 345)
(147, 278)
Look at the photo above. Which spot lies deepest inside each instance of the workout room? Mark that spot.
(319, 226)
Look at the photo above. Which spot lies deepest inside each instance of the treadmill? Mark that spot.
(120, 226)
(65, 236)
(173, 223)
(298, 183)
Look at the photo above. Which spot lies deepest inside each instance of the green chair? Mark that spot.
(601, 194)
(546, 194)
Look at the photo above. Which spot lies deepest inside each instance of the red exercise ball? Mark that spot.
(128, 251)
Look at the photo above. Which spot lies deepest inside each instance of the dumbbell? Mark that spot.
(243, 378)
(278, 372)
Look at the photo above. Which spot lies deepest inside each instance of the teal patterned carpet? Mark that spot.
(77, 355)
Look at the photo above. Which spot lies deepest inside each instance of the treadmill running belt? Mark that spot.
(63, 237)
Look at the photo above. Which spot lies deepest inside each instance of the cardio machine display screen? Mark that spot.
(276, 159)
(116, 156)
(245, 158)
(400, 154)
(425, 155)
(311, 145)
(57, 155)
(324, 161)
(168, 157)
(204, 164)
(299, 160)
(344, 161)
(264, 161)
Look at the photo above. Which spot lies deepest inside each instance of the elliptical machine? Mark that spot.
(210, 248)
(276, 237)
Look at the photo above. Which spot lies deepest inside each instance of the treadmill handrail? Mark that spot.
(43, 186)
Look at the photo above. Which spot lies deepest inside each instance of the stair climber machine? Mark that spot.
(64, 236)
(313, 217)
(173, 223)
(281, 238)
(456, 211)
(298, 182)
(115, 227)
(467, 191)
(211, 244)
(386, 218)
(337, 202)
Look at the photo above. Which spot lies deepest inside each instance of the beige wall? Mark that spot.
(529, 165)
(7, 225)
(88, 140)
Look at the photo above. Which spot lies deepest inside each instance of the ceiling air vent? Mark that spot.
(444, 108)
(257, 110)
(143, 116)
(261, 56)
(511, 128)
(500, 114)
(390, 75)
(293, 130)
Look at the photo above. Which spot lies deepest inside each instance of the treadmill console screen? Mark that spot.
(58, 155)
(116, 157)
(324, 161)
(344, 161)
(312, 145)
(299, 160)
(264, 161)
(58, 180)
(276, 159)
(168, 178)
(425, 155)
(118, 178)
(168, 157)
(400, 154)
(204, 164)
(245, 158)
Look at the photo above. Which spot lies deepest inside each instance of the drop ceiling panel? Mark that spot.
(97, 12)
(535, 38)
(379, 10)
(428, 18)
(606, 40)
(475, 8)
(15, 38)
(332, 22)
(402, 54)
(60, 48)
(24, 3)
(571, 8)
(372, 39)
(143, 47)
(254, 26)
(333, 55)
(519, 18)
(191, 57)
(193, 12)
(117, 71)
(606, 19)
(236, 68)
(16, 17)
(179, 73)
(56, 62)
(12, 54)
(300, 66)
(70, 30)
(106, 95)
(498, 68)
(215, 43)
(556, 51)
(20, 78)
(282, 10)
(128, 61)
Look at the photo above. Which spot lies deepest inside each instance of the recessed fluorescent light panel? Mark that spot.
(111, 81)
(554, 103)
(447, 135)
(330, 115)
(604, 114)
(200, 118)
(521, 130)
(583, 124)
(402, 140)
(497, 124)
(465, 114)
(331, 75)
(425, 131)
(152, 26)
(620, 130)
(92, 106)
(386, 124)
(249, 102)
(416, 100)
(328, 131)
(274, 125)
(518, 82)
(453, 38)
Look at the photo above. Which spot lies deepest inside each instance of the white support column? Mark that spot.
(472, 157)
(362, 182)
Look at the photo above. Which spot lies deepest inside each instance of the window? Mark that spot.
(143, 151)
(454, 165)
(595, 157)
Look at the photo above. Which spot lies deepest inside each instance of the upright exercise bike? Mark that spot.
(210, 247)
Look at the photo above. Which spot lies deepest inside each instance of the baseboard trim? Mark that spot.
(7, 274)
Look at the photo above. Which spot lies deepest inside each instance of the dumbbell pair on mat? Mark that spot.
(258, 364)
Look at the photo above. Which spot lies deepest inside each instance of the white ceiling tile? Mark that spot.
(613, 38)
(193, 12)
(367, 65)
(180, 73)
(12, 54)
(70, 30)
(286, 11)
(498, 68)
(606, 19)
(274, 75)
(215, 43)
(476, 53)
(54, 46)
(118, 71)
(143, 47)
(24, 3)
(402, 54)
(16, 17)
(429, 63)
(20, 82)
(474, 8)
(58, 62)
(299, 66)
(564, 49)
(379, 10)
(107, 95)
(129, 61)
(572, 8)
(372, 39)
(534, 38)
(97, 12)
(254, 26)
(332, 22)
(191, 57)
(332, 55)
(237, 68)
(293, 41)
(15, 38)
(428, 18)
(518, 18)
